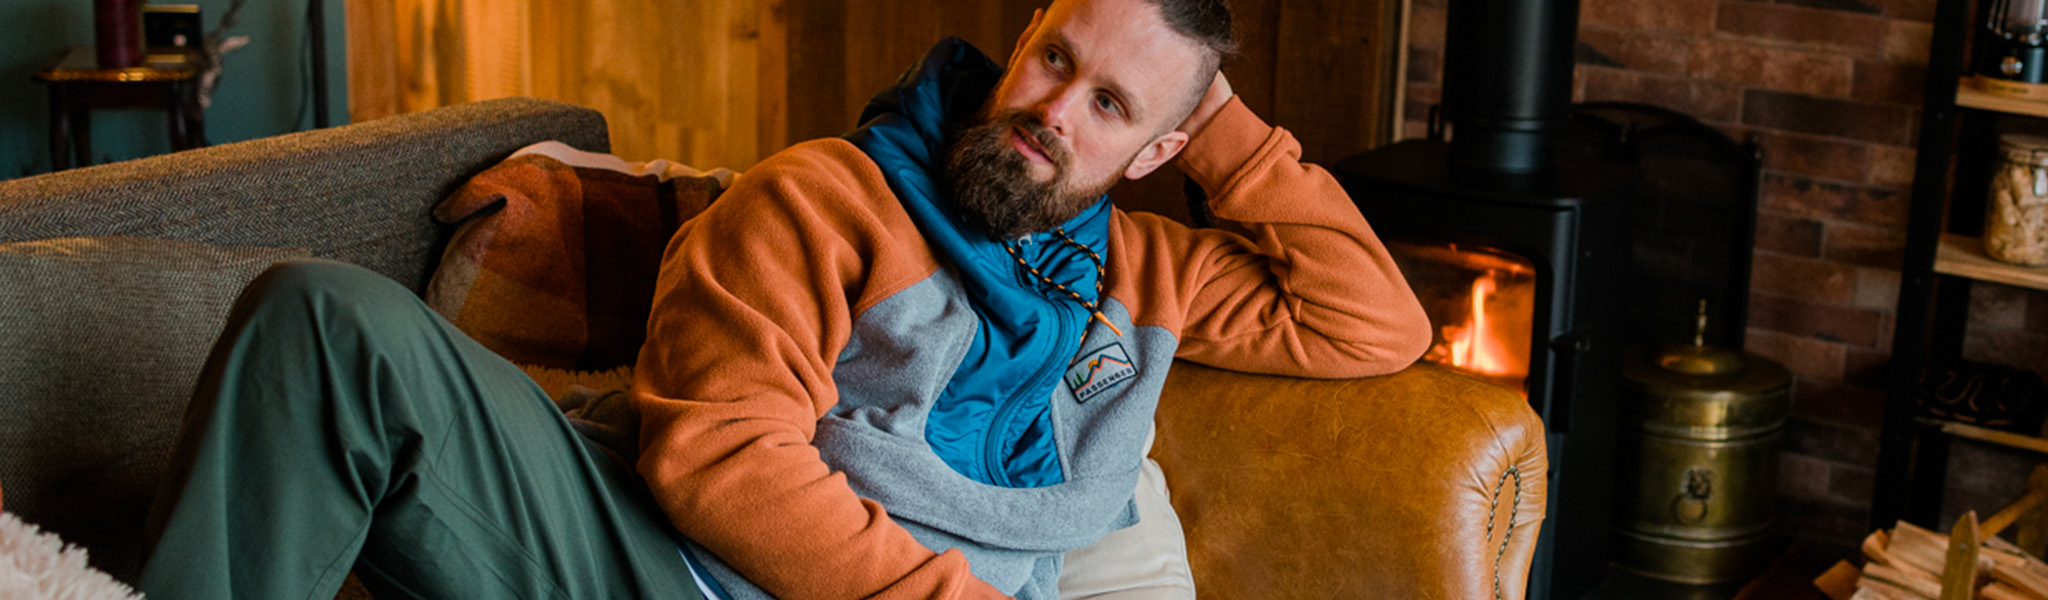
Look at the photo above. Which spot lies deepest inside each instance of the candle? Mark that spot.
(117, 32)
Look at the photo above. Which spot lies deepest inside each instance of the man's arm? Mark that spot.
(754, 304)
(1312, 292)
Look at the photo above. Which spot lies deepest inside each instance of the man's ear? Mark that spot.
(1018, 52)
(1155, 153)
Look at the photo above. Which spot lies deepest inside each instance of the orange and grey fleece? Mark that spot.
(845, 395)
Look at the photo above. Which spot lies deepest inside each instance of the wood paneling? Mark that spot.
(372, 67)
(726, 82)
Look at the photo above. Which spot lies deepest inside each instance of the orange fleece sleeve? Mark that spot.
(1311, 293)
(754, 303)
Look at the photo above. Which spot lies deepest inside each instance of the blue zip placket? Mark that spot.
(997, 437)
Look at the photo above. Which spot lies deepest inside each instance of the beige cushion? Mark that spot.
(101, 341)
(1147, 561)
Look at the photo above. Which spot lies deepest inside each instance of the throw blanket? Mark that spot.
(39, 566)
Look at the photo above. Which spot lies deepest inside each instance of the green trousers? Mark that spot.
(340, 424)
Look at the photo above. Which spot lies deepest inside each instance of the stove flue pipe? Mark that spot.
(1507, 81)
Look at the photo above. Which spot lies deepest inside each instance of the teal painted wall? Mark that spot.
(265, 88)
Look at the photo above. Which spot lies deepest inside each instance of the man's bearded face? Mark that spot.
(989, 172)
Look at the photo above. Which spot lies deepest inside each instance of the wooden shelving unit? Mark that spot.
(1963, 256)
(1968, 95)
(1955, 155)
(1988, 435)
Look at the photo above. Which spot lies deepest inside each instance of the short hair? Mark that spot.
(1205, 21)
(1208, 23)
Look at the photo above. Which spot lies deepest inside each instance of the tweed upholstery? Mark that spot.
(102, 339)
(359, 193)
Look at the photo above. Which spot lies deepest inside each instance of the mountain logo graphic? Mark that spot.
(1100, 370)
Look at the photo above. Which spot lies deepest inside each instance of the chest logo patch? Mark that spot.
(1100, 370)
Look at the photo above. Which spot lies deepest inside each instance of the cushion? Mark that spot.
(555, 262)
(101, 341)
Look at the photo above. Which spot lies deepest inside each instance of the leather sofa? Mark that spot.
(1421, 484)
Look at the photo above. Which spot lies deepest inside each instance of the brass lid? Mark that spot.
(1754, 376)
(1703, 392)
(1700, 360)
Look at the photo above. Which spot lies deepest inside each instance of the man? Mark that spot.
(918, 362)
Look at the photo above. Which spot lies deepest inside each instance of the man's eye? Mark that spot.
(1053, 58)
(1107, 104)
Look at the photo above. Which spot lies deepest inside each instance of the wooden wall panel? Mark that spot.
(372, 39)
(1251, 72)
(726, 82)
(819, 103)
(1329, 84)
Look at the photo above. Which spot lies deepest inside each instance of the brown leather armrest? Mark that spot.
(1400, 486)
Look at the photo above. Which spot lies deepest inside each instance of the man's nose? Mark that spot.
(1057, 108)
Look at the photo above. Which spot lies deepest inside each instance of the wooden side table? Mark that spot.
(168, 80)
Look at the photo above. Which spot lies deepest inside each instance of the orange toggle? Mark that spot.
(1105, 321)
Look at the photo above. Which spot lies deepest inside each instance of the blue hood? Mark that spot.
(993, 422)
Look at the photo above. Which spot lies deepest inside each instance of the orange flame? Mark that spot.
(1474, 345)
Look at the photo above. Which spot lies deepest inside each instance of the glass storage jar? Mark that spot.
(2016, 228)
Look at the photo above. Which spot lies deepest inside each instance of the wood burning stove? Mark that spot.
(1503, 203)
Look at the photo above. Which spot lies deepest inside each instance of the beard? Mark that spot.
(992, 184)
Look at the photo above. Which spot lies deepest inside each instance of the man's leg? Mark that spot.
(339, 423)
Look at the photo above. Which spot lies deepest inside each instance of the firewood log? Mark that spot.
(1839, 582)
(1999, 591)
(1871, 589)
(2029, 585)
(1874, 547)
(1907, 578)
(1925, 549)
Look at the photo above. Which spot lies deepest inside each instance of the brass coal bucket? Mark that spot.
(1698, 463)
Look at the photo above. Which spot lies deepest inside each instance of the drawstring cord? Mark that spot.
(1101, 272)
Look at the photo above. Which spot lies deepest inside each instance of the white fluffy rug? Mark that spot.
(39, 566)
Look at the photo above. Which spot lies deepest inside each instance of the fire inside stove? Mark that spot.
(1481, 303)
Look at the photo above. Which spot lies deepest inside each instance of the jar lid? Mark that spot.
(2022, 148)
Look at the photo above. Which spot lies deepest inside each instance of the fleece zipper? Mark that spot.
(994, 438)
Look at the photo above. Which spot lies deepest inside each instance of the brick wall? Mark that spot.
(1831, 90)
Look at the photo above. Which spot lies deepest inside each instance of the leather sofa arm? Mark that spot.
(1420, 484)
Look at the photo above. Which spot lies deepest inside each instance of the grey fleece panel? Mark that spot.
(902, 354)
(1110, 428)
